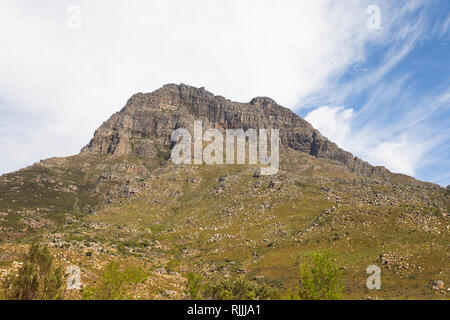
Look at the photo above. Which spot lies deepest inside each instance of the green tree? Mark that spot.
(322, 280)
(37, 279)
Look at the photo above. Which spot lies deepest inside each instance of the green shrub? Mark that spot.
(322, 280)
(171, 265)
(76, 210)
(194, 285)
(122, 249)
(37, 278)
(115, 282)
(290, 295)
(238, 289)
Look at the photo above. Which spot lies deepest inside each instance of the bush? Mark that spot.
(115, 282)
(37, 278)
(194, 285)
(322, 280)
(171, 265)
(238, 289)
(289, 294)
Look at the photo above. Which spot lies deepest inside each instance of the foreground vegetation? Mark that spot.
(320, 280)
(41, 278)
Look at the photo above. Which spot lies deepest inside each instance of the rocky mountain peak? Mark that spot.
(263, 102)
(144, 126)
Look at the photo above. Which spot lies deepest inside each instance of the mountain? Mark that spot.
(144, 126)
(122, 199)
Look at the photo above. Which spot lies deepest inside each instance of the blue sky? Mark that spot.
(382, 94)
(397, 116)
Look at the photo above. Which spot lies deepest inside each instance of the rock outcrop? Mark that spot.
(144, 126)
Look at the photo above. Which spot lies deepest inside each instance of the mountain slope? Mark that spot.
(122, 199)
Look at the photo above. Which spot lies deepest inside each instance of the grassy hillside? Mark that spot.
(228, 222)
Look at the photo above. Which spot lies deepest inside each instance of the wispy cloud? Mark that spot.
(397, 113)
(399, 34)
(57, 85)
(72, 80)
(400, 150)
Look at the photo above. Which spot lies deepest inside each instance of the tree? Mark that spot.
(322, 280)
(37, 279)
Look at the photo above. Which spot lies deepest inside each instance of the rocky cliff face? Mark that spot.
(144, 126)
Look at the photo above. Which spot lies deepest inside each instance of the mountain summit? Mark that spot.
(144, 126)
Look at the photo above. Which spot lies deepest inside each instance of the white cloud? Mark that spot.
(398, 37)
(401, 153)
(73, 80)
(334, 123)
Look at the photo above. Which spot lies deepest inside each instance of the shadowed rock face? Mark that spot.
(144, 126)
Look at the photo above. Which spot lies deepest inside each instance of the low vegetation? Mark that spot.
(115, 283)
(249, 236)
(37, 279)
(320, 280)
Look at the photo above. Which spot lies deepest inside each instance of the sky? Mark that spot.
(372, 76)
